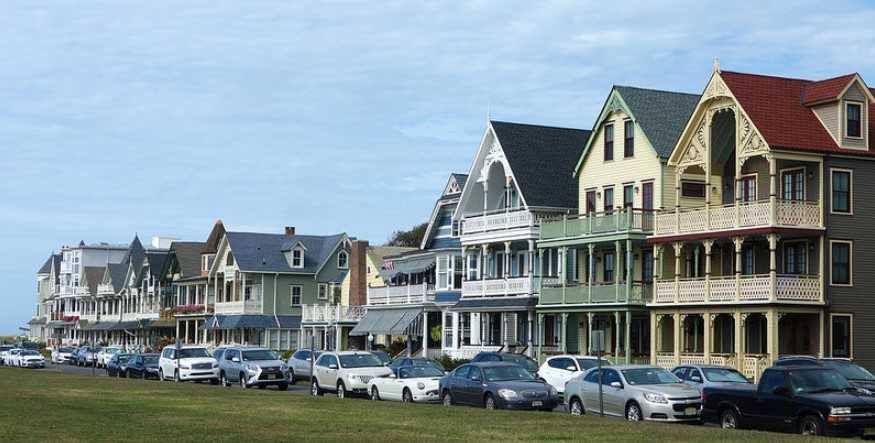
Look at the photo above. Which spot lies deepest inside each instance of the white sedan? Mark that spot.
(413, 384)
(559, 369)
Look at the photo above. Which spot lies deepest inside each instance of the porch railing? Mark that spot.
(501, 286)
(405, 294)
(598, 293)
(619, 221)
(761, 213)
(746, 288)
(331, 313)
(239, 307)
(497, 221)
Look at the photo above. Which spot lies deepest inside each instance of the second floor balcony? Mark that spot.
(499, 224)
(744, 215)
(498, 287)
(403, 294)
(595, 294)
(633, 221)
(253, 306)
(761, 288)
(331, 313)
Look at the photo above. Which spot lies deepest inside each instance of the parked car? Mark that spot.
(12, 356)
(114, 367)
(414, 362)
(143, 366)
(105, 354)
(810, 400)
(509, 357)
(636, 392)
(700, 376)
(5, 354)
(411, 384)
(217, 353)
(857, 376)
(62, 355)
(253, 367)
(557, 370)
(348, 371)
(86, 356)
(299, 364)
(187, 363)
(383, 356)
(28, 358)
(497, 385)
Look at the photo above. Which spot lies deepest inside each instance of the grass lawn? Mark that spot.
(49, 406)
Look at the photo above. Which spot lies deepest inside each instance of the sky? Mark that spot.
(158, 117)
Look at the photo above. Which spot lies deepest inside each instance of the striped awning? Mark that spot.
(401, 321)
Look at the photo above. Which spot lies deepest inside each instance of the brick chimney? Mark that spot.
(289, 230)
(358, 273)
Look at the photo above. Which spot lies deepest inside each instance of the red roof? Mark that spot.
(775, 106)
(828, 89)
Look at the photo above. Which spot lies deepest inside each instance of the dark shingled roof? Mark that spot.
(461, 179)
(542, 159)
(258, 252)
(662, 115)
(157, 258)
(93, 277)
(117, 273)
(46, 268)
(188, 255)
(216, 234)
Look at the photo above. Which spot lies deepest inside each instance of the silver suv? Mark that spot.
(253, 367)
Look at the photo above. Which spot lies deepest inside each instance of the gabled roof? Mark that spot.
(542, 160)
(662, 115)
(775, 107)
(46, 268)
(157, 258)
(93, 276)
(188, 255)
(824, 90)
(258, 252)
(117, 272)
(216, 234)
(378, 254)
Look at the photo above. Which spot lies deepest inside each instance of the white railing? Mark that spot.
(693, 359)
(514, 285)
(239, 307)
(331, 314)
(745, 215)
(468, 352)
(89, 317)
(749, 288)
(499, 221)
(110, 317)
(105, 289)
(666, 360)
(397, 295)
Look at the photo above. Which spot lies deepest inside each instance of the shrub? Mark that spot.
(450, 363)
(287, 354)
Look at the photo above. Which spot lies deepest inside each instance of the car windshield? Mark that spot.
(66, 350)
(522, 360)
(421, 371)
(111, 350)
(359, 361)
(589, 363)
(124, 357)
(259, 354)
(150, 359)
(506, 373)
(817, 381)
(193, 353)
(850, 370)
(29, 353)
(380, 355)
(649, 376)
(724, 375)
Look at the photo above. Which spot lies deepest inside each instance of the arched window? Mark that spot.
(343, 260)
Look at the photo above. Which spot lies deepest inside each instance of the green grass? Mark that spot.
(49, 406)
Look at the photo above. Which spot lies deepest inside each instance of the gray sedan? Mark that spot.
(701, 376)
(635, 392)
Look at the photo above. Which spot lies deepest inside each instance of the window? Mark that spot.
(443, 272)
(794, 184)
(628, 196)
(747, 261)
(343, 260)
(694, 189)
(472, 266)
(590, 202)
(840, 335)
(609, 142)
(229, 259)
(796, 258)
(297, 258)
(853, 125)
(456, 231)
(629, 141)
(771, 380)
(608, 267)
(561, 363)
(609, 200)
(323, 291)
(647, 195)
(841, 202)
(295, 291)
(748, 191)
(458, 269)
(647, 266)
(841, 255)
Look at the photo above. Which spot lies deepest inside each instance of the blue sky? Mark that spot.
(158, 117)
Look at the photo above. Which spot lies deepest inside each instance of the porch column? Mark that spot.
(630, 271)
(773, 266)
(186, 331)
(820, 329)
(677, 338)
(464, 263)
(628, 338)
(563, 333)
(425, 334)
(563, 268)
(773, 189)
(738, 241)
(456, 326)
(589, 317)
(657, 261)
(740, 318)
(677, 200)
(618, 253)
(590, 277)
(707, 244)
(654, 331)
(485, 197)
(540, 335)
(616, 336)
(530, 268)
(708, 318)
(338, 336)
(530, 320)
(480, 270)
(678, 248)
(506, 263)
(196, 332)
(771, 335)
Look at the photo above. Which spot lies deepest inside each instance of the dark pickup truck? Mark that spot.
(810, 400)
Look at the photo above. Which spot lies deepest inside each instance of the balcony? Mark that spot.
(497, 287)
(110, 317)
(604, 293)
(331, 314)
(399, 295)
(239, 307)
(746, 289)
(105, 289)
(632, 221)
(757, 214)
(499, 225)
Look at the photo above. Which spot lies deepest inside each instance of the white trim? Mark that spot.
(793, 243)
(804, 181)
(345, 254)
(625, 122)
(844, 120)
(850, 191)
(850, 333)
(756, 185)
(319, 294)
(300, 296)
(850, 263)
(292, 261)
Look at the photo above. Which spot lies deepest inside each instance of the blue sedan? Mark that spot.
(497, 385)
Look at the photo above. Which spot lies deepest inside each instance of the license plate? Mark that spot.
(536, 404)
(691, 411)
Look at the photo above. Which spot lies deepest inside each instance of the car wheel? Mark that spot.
(446, 398)
(314, 389)
(176, 377)
(729, 420)
(161, 375)
(341, 390)
(292, 378)
(283, 387)
(214, 381)
(375, 393)
(118, 374)
(489, 402)
(633, 412)
(575, 407)
(243, 381)
(811, 425)
(407, 396)
(224, 380)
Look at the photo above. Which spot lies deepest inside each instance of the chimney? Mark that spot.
(358, 273)
(289, 230)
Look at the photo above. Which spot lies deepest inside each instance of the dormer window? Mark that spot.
(229, 259)
(853, 120)
(297, 258)
(343, 260)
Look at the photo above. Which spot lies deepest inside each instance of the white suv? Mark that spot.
(105, 355)
(344, 372)
(559, 369)
(187, 363)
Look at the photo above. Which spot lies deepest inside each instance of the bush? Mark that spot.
(450, 363)
(287, 354)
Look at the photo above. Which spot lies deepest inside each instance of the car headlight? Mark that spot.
(215, 365)
(654, 397)
(251, 368)
(553, 392)
(420, 386)
(507, 394)
(842, 410)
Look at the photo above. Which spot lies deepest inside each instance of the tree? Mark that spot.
(410, 239)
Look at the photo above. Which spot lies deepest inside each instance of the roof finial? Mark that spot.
(716, 67)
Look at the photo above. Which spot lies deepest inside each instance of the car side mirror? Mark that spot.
(616, 384)
(332, 366)
(392, 375)
(235, 359)
(475, 378)
(571, 369)
(696, 379)
(782, 391)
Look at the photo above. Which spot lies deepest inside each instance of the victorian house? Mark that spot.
(194, 298)
(410, 295)
(47, 279)
(757, 257)
(521, 175)
(597, 266)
